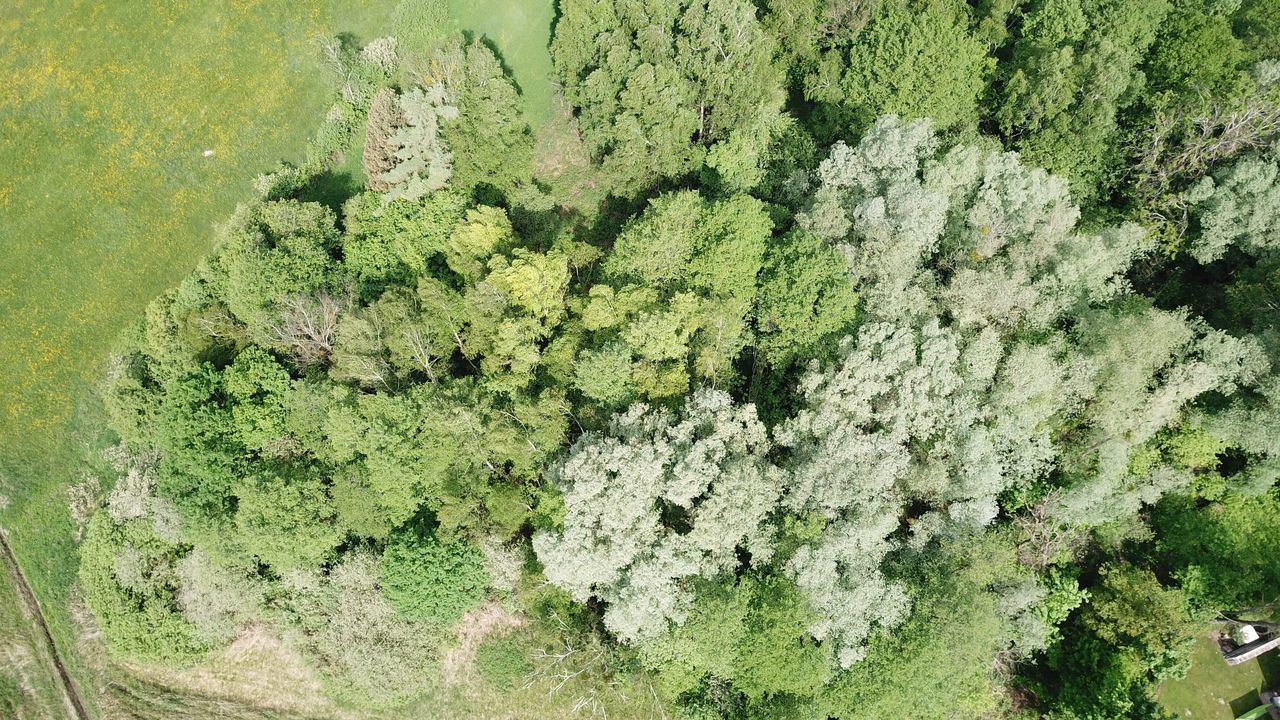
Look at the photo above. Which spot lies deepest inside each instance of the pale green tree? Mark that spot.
(422, 163)
(706, 467)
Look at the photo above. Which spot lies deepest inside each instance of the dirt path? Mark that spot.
(476, 625)
(24, 590)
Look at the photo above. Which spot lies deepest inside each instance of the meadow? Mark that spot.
(28, 679)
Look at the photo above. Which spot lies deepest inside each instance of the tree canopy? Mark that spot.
(872, 353)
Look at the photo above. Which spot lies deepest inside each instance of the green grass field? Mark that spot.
(107, 198)
(1213, 690)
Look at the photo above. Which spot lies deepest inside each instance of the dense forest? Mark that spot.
(901, 358)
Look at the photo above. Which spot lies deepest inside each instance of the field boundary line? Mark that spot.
(69, 691)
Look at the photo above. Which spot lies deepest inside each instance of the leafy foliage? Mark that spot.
(489, 139)
(503, 661)
(682, 282)
(371, 653)
(707, 469)
(915, 62)
(422, 163)
(1068, 51)
(1219, 551)
(654, 84)
(426, 579)
(1001, 442)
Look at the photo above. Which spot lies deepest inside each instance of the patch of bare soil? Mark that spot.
(475, 626)
(559, 145)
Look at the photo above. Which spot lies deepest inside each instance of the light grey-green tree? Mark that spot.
(626, 489)
(422, 163)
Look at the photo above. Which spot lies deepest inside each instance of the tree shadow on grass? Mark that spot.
(1269, 663)
(331, 189)
(1244, 704)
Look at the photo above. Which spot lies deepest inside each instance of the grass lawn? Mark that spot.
(106, 199)
(1214, 690)
(521, 32)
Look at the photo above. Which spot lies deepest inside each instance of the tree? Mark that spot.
(307, 326)
(126, 576)
(371, 654)
(1257, 22)
(682, 284)
(489, 139)
(426, 579)
(198, 452)
(255, 386)
(891, 390)
(1196, 56)
(271, 252)
(422, 163)
(656, 503)
(285, 519)
(389, 243)
(1148, 367)
(917, 61)
(1183, 140)
(840, 578)
(1219, 552)
(961, 619)
(398, 451)
(806, 299)
(655, 84)
(750, 632)
(1070, 50)
(1006, 233)
(385, 117)
(857, 60)
(1238, 205)
(1130, 635)
(215, 599)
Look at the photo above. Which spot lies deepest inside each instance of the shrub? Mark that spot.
(214, 599)
(371, 654)
(124, 574)
(426, 579)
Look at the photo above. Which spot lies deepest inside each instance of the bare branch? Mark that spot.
(308, 324)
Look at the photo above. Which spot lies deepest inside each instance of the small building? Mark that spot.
(1247, 642)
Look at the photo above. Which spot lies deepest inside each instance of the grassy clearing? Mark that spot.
(107, 198)
(1213, 690)
(520, 30)
(259, 674)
